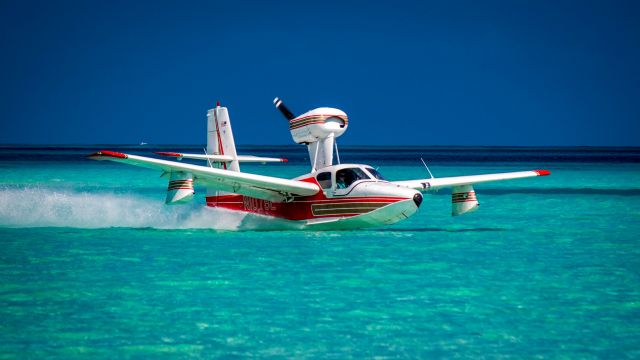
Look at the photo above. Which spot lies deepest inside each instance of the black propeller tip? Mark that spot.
(283, 109)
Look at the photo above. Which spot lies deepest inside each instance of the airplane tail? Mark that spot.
(220, 153)
(220, 138)
(220, 142)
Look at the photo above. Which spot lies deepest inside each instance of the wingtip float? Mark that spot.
(330, 196)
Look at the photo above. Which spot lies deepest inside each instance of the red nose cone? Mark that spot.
(218, 103)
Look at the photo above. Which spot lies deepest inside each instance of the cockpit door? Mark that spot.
(341, 192)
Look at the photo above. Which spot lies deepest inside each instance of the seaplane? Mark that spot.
(331, 196)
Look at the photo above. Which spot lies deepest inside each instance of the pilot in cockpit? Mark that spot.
(341, 181)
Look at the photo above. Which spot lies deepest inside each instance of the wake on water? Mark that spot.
(40, 207)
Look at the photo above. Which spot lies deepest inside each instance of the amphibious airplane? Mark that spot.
(342, 196)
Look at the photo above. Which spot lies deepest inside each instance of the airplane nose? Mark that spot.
(417, 198)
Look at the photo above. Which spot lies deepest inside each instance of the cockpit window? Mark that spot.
(375, 173)
(346, 177)
(324, 179)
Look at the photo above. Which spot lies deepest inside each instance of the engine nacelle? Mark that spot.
(180, 188)
(318, 124)
(463, 200)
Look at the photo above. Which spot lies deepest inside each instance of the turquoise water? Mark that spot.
(93, 265)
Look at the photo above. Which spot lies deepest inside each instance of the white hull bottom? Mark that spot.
(387, 215)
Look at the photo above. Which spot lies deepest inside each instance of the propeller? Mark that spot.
(283, 109)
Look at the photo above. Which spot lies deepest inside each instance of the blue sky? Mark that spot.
(406, 73)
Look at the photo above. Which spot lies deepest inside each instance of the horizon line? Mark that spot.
(151, 145)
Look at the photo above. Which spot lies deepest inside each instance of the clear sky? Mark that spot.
(406, 73)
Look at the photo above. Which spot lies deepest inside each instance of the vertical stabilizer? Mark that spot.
(220, 137)
(220, 142)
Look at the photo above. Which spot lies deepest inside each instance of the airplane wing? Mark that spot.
(259, 186)
(425, 185)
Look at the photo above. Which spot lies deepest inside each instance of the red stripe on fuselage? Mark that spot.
(298, 209)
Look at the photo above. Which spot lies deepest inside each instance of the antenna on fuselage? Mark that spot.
(283, 109)
(425, 165)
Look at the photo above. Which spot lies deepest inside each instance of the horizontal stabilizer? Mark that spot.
(222, 158)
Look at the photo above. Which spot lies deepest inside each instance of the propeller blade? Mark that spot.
(283, 109)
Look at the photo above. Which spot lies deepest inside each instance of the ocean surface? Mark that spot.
(94, 265)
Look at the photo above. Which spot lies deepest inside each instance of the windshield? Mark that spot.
(346, 177)
(375, 173)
